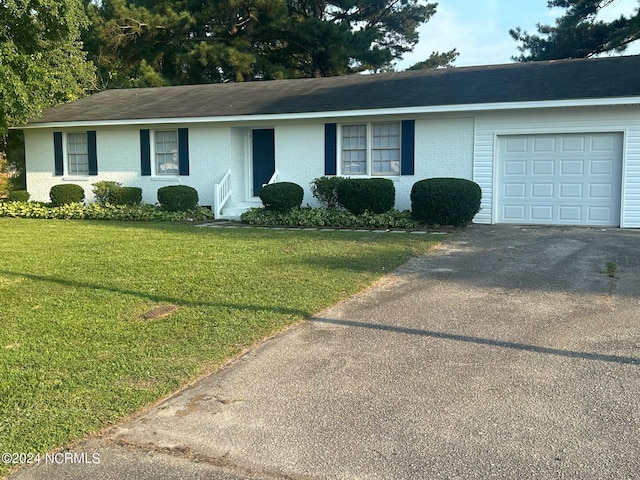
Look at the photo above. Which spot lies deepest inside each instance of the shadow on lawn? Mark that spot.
(159, 298)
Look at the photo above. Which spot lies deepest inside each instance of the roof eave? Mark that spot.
(591, 102)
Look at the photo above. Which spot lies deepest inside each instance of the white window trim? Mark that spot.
(154, 158)
(369, 149)
(66, 167)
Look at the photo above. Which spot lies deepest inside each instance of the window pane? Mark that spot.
(386, 148)
(77, 154)
(167, 152)
(354, 149)
(355, 161)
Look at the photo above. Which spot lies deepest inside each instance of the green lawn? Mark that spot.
(76, 354)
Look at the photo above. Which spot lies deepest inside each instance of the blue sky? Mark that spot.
(479, 29)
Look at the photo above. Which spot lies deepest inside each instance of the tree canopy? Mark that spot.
(437, 60)
(41, 59)
(164, 42)
(579, 33)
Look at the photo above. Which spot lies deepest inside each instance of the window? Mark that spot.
(78, 154)
(354, 149)
(164, 152)
(371, 149)
(386, 149)
(166, 144)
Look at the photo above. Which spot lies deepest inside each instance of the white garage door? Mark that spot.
(571, 179)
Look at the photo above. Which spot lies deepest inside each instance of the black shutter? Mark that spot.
(183, 151)
(92, 152)
(145, 153)
(57, 154)
(408, 147)
(330, 145)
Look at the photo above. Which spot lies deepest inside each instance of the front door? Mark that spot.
(264, 158)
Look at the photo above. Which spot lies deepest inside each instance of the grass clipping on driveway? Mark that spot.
(81, 343)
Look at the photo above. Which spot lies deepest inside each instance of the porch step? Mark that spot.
(233, 211)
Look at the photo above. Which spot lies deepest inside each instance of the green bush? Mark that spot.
(19, 196)
(115, 194)
(282, 196)
(324, 217)
(178, 198)
(324, 189)
(104, 192)
(127, 196)
(95, 211)
(376, 195)
(66, 193)
(445, 201)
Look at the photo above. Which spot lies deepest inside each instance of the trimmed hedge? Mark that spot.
(445, 201)
(178, 198)
(65, 194)
(282, 196)
(324, 190)
(95, 211)
(127, 196)
(376, 195)
(330, 217)
(19, 196)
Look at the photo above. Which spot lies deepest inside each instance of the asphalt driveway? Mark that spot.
(509, 352)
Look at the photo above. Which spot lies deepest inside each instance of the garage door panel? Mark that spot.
(601, 167)
(570, 179)
(542, 190)
(543, 167)
(516, 145)
(541, 213)
(572, 144)
(571, 191)
(570, 214)
(572, 167)
(515, 167)
(603, 191)
(599, 214)
(544, 144)
(514, 213)
(515, 190)
(603, 143)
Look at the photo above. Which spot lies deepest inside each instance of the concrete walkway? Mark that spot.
(509, 352)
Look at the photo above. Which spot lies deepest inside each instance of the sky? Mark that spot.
(479, 29)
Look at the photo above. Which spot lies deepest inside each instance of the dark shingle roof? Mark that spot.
(517, 82)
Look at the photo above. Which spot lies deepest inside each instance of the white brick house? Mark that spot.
(549, 142)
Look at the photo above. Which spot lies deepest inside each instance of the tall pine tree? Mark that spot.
(162, 42)
(579, 33)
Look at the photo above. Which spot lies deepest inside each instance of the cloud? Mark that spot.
(479, 29)
(618, 8)
(478, 37)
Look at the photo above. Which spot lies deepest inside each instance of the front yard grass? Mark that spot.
(76, 354)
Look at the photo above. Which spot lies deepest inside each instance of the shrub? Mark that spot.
(323, 217)
(376, 195)
(65, 194)
(95, 211)
(127, 196)
(178, 198)
(324, 189)
(282, 196)
(5, 184)
(445, 201)
(104, 191)
(19, 196)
